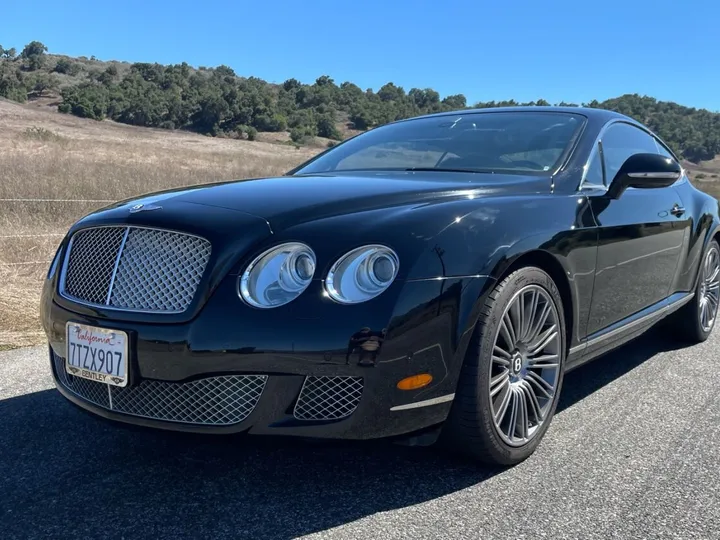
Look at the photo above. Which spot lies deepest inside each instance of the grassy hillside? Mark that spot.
(46, 155)
(216, 101)
(55, 168)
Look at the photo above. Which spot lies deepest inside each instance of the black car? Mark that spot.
(431, 279)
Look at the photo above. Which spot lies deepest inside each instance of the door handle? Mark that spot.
(677, 210)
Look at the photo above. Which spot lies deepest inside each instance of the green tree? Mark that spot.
(12, 83)
(455, 102)
(34, 55)
(67, 67)
(326, 127)
(40, 83)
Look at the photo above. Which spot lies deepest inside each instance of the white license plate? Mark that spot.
(97, 354)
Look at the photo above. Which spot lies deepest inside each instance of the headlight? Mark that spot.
(277, 276)
(362, 274)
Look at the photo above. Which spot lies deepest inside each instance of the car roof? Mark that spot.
(601, 115)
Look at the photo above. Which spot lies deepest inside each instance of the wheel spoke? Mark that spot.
(498, 382)
(531, 313)
(505, 332)
(545, 361)
(500, 361)
(541, 384)
(532, 400)
(543, 341)
(499, 351)
(713, 277)
(522, 416)
(512, 334)
(513, 415)
(540, 322)
(502, 409)
(515, 313)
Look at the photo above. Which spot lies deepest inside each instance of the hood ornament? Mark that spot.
(144, 208)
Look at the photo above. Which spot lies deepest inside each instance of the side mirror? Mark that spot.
(645, 171)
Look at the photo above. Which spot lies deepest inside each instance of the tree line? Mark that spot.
(216, 101)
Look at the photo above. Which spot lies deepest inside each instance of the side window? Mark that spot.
(621, 141)
(594, 173)
(662, 150)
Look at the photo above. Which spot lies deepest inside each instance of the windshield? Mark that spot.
(509, 142)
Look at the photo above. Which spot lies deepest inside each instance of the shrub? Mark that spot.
(42, 134)
(326, 128)
(67, 67)
(276, 122)
(298, 135)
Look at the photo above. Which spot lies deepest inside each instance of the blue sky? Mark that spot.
(557, 50)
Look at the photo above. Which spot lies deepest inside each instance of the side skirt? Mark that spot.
(623, 331)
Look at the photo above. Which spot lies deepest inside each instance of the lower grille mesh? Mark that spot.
(328, 398)
(223, 400)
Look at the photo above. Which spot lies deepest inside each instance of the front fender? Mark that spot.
(491, 238)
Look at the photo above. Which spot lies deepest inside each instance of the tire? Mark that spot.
(690, 324)
(471, 428)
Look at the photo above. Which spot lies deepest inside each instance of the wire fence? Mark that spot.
(61, 200)
(42, 235)
(26, 263)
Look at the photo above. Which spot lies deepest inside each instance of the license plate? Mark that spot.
(98, 354)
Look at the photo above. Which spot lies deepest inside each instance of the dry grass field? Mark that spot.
(46, 155)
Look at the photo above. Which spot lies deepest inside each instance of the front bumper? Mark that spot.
(326, 389)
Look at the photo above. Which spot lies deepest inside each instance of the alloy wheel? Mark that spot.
(710, 289)
(525, 366)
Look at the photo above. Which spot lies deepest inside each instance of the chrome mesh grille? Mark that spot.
(328, 398)
(135, 269)
(222, 400)
(91, 262)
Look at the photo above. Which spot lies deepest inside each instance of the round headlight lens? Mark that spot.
(277, 276)
(362, 274)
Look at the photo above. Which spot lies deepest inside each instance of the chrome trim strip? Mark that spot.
(655, 175)
(585, 186)
(117, 263)
(63, 269)
(659, 313)
(426, 403)
(443, 278)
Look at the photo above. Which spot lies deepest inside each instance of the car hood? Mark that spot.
(290, 200)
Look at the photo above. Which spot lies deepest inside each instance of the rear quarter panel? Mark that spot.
(703, 210)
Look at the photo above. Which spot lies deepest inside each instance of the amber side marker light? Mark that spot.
(415, 382)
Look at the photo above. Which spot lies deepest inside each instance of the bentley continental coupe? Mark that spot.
(430, 280)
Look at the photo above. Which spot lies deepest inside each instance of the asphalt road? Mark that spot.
(634, 452)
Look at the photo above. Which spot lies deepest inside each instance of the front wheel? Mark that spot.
(513, 371)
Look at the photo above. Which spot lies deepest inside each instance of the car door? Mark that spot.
(639, 243)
